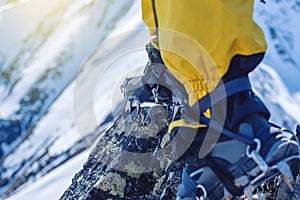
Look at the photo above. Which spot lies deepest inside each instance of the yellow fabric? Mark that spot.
(198, 38)
(184, 123)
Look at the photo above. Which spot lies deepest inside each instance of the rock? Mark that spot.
(128, 163)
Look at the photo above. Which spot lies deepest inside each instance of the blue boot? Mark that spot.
(232, 168)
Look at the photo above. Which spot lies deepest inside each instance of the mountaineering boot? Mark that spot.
(275, 147)
(201, 176)
(233, 168)
(276, 144)
(228, 172)
(151, 86)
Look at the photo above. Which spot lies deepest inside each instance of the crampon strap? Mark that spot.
(217, 95)
(221, 92)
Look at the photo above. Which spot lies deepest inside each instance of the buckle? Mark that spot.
(282, 167)
(255, 155)
(204, 196)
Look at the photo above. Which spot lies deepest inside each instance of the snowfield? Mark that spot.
(52, 185)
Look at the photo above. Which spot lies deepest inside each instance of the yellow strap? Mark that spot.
(184, 123)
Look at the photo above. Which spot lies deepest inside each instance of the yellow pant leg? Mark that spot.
(198, 39)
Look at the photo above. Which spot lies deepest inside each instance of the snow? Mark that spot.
(271, 89)
(59, 42)
(53, 184)
(18, 20)
(280, 22)
(57, 130)
(297, 96)
(99, 80)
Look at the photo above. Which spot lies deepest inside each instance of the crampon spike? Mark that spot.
(248, 192)
(286, 172)
(259, 196)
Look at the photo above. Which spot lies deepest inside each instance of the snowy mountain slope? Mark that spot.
(60, 113)
(280, 22)
(284, 108)
(47, 56)
(47, 61)
(52, 185)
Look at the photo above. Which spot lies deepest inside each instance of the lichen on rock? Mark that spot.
(134, 170)
(112, 183)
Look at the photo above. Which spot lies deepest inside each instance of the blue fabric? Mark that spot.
(213, 124)
(241, 106)
(222, 92)
(187, 188)
(242, 65)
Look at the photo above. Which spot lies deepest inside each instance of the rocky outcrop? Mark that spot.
(124, 166)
